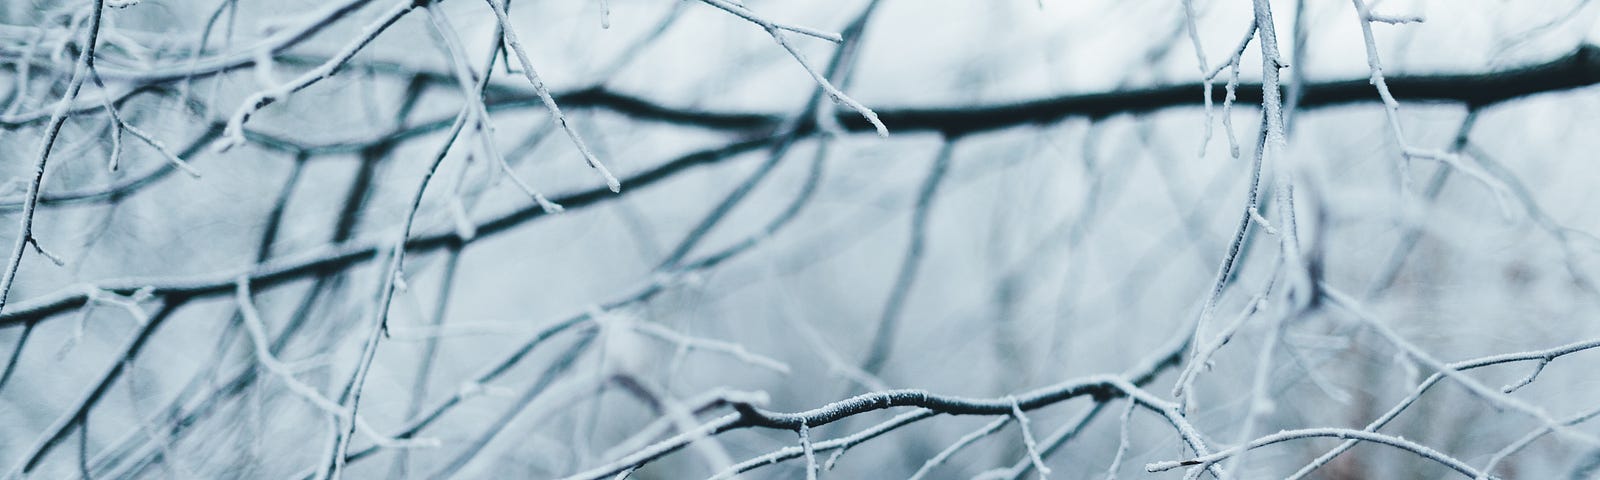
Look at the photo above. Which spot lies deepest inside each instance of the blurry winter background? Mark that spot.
(1039, 235)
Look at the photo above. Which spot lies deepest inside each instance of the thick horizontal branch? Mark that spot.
(345, 255)
(1106, 386)
(1099, 387)
(1578, 69)
(748, 416)
(639, 107)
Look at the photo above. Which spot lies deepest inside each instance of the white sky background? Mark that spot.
(1481, 283)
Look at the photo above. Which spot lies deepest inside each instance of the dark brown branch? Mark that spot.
(1577, 69)
(1580, 68)
(747, 416)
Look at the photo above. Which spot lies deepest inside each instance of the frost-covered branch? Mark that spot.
(1355, 435)
(47, 142)
(749, 416)
(234, 135)
(528, 71)
(1540, 356)
(263, 351)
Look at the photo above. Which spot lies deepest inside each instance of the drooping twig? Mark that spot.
(478, 114)
(47, 143)
(544, 95)
(1229, 259)
(234, 135)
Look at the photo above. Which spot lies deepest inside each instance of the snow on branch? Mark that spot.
(234, 135)
(1342, 433)
(750, 416)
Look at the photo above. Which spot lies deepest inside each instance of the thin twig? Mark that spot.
(234, 135)
(549, 102)
(46, 144)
